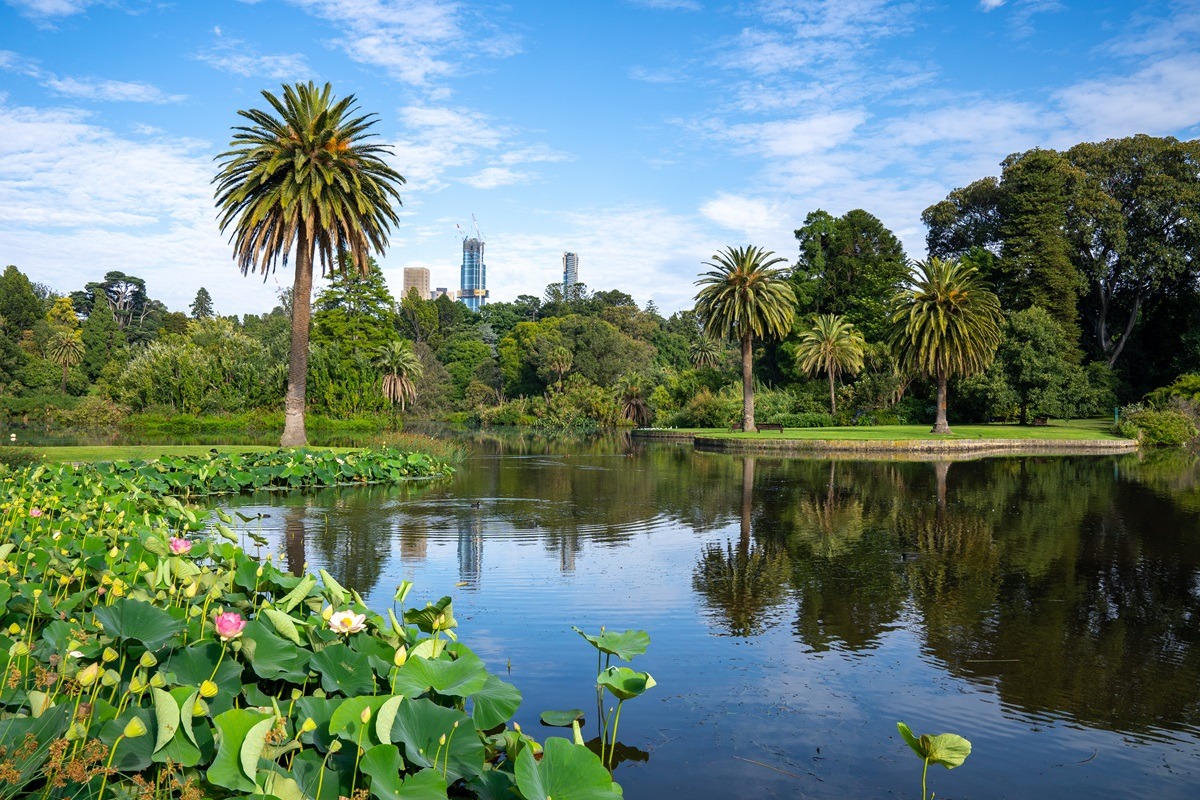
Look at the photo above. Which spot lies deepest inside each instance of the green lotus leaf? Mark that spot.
(185, 746)
(193, 665)
(344, 670)
(566, 772)
(624, 683)
(623, 645)
(132, 755)
(142, 622)
(284, 625)
(494, 784)
(948, 749)
(272, 656)
(437, 616)
(460, 677)
(320, 710)
(346, 722)
(494, 704)
(166, 713)
(241, 734)
(561, 719)
(384, 765)
(419, 725)
(310, 773)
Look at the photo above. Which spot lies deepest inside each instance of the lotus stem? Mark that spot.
(924, 772)
(108, 767)
(613, 746)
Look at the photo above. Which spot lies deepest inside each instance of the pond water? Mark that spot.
(1046, 608)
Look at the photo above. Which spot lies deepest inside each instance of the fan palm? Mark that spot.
(401, 369)
(745, 297)
(946, 323)
(704, 352)
(832, 345)
(66, 350)
(633, 401)
(305, 177)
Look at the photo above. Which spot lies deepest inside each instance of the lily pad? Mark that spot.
(624, 645)
(561, 719)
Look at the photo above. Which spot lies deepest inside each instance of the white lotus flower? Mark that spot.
(347, 622)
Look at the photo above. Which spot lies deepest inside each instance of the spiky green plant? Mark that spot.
(401, 369)
(305, 177)
(745, 297)
(946, 323)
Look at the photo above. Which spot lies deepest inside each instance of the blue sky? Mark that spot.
(642, 134)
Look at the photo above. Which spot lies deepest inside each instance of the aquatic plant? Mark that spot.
(134, 665)
(948, 749)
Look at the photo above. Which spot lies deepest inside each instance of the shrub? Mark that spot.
(17, 457)
(1156, 428)
(93, 411)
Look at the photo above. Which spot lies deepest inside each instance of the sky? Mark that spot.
(645, 135)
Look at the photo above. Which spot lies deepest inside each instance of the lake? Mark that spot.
(1046, 608)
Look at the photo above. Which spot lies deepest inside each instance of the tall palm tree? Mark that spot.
(633, 400)
(401, 369)
(66, 350)
(946, 323)
(745, 297)
(832, 345)
(305, 177)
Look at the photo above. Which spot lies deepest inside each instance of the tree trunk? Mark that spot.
(294, 434)
(747, 383)
(832, 396)
(64, 382)
(940, 425)
(747, 508)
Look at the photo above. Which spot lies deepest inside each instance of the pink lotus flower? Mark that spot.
(229, 625)
(35, 512)
(179, 545)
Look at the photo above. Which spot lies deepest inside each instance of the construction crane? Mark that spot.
(478, 233)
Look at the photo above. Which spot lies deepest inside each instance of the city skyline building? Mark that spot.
(473, 281)
(570, 271)
(417, 278)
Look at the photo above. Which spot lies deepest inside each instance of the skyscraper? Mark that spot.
(473, 293)
(416, 278)
(570, 271)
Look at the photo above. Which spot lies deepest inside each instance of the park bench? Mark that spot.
(769, 426)
(1041, 421)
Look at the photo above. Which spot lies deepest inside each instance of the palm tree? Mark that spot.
(947, 323)
(744, 297)
(66, 350)
(832, 345)
(559, 362)
(704, 352)
(633, 401)
(306, 177)
(401, 368)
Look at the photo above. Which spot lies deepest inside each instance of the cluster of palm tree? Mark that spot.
(945, 322)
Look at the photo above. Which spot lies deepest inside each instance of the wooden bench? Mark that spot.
(769, 426)
(1040, 421)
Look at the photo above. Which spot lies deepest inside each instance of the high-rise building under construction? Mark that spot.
(473, 293)
(570, 271)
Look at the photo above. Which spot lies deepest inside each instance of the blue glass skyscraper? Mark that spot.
(473, 285)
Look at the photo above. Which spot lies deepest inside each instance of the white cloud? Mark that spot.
(788, 138)
(77, 200)
(990, 5)
(751, 216)
(1158, 99)
(233, 59)
(111, 91)
(668, 5)
(492, 177)
(414, 41)
(50, 8)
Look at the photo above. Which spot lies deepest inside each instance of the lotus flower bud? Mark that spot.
(192, 589)
(109, 655)
(110, 678)
(258, 573)
(137, 685)
(442, 740)
(76, 732)
(365, 716)
(401, 656)
(308, 726)
(19, 649)
(114, 553)
(148, 660)
(335, 746)
(14, 629)
(87, 677)
(134, 728)
(517, 727)
(199, 709)
(208, 690)
(326, 613)
(157, 680)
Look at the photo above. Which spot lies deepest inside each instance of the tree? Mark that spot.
(66, 350)
(947, 323)
(633, 401)
(102, 340)
(704, 352)
(744, 297)
(202, 306)
(850, 266)
(558, 361)
(401, 369)
(19, 305)
(832, 345)
(1035, 359)
(308, 178)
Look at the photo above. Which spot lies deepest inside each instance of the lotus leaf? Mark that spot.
(460, 677)
(241, 734)
(566, 772)
(418, 726)
(623, 645)
(271, 656)
(307, 770)
(948, 749)
(346, 722)
(437, 616)
(193, 665)
(494, 704)
(142, 622)
(131, 754)
(344, 670)
(624, 683)
(561, 719)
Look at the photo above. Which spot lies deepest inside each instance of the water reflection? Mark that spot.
(1064, 588)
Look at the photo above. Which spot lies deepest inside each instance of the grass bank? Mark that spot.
(1056, 430)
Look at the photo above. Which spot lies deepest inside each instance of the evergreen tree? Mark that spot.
(103, 340)
(19, 305)
(202, 306)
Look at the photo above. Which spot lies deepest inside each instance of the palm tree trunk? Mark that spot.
(832, 396)
(940, 425)
(747, 383)
(64, 381)
(294, 434)
(747, 507)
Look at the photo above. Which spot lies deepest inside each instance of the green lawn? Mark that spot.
(128, 452)
(1059, 430)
